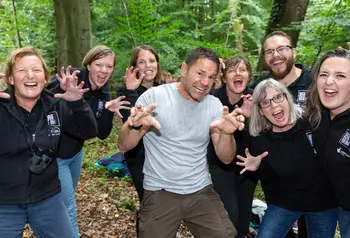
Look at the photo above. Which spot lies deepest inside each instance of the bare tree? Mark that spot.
(73, 31)
(285, 15)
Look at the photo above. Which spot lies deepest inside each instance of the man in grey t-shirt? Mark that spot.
(176, 122)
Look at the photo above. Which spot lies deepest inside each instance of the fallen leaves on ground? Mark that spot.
(100, 205)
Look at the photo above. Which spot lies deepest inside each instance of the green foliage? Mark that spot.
(35, 21)
(326, 26)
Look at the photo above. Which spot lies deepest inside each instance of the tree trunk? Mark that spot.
(212, 16)
(19, 41)
(73, 31)
(285, 14)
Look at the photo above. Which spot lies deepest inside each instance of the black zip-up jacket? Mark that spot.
(17, 184)
(298, 88)
(332, 141)
(137, 154)
(292, 175)
(71, 145)
(241, 137)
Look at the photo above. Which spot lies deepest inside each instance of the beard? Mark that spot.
(281, 74)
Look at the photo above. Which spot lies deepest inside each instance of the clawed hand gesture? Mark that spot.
(140, 116)
(117, 104)
(341, 48)
(2, 94)
(247, 105)
(74, 92)
(168, 78)
(229, 122)
(63, 78)
(131, 80)
(250, 163)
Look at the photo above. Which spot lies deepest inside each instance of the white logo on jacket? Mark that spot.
(54, 124)
(345, 142)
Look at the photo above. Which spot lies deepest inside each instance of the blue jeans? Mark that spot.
(47, 218)
(344, 222)
(277, 221)
(69, 173)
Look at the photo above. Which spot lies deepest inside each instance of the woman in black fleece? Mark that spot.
(328, 109)
(292, 173)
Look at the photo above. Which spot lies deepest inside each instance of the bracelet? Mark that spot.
(135, 127)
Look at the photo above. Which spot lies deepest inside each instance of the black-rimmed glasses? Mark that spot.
(280, 50)
(265, 103)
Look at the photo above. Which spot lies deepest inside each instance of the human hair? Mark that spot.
(135, 55)
(313, 103)
(234, 62)
(280, 33)
(19, 54)
(96, 53)
(202, 53)
(258, 123)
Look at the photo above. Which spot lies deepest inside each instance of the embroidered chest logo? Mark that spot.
(301, 96)
(345, 142)
(100, 107)
(54, 124)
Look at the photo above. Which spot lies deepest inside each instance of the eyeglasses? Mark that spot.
(265, 103)
(280, 50)
(101, 66)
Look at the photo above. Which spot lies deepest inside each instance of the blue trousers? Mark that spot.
(344, 222)
(47, 218)
(277, 221)
(69, 173)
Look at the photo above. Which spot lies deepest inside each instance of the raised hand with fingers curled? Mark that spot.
(169, 78)
(140, 116)
(63, 78)
(229, 122)
(117, 104)
(131, 80)
(250, 163)
(3, 94)
(73, 92)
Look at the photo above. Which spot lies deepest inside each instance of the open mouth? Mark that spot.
(238, 82)
(278, 115)
(330, 93)
(277, 62)
(199, 89)
(101, 78)
(30, 85)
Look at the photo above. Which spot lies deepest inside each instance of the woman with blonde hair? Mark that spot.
(32, 123)
(98, 68)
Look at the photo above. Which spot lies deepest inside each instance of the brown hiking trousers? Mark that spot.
(161, 213)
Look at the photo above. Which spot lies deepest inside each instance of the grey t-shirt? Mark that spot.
(176, 155)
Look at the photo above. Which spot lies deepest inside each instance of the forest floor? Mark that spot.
(106, 205)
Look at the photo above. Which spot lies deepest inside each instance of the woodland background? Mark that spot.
(66, 29)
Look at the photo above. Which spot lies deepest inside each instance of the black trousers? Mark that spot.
(236, 192)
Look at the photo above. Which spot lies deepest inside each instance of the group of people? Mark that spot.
(180, 139)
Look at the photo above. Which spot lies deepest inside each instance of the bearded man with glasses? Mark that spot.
(279, 56)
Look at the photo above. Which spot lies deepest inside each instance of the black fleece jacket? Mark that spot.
(332, 142)
(18, 185)
(293, 176)
(96, 99)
